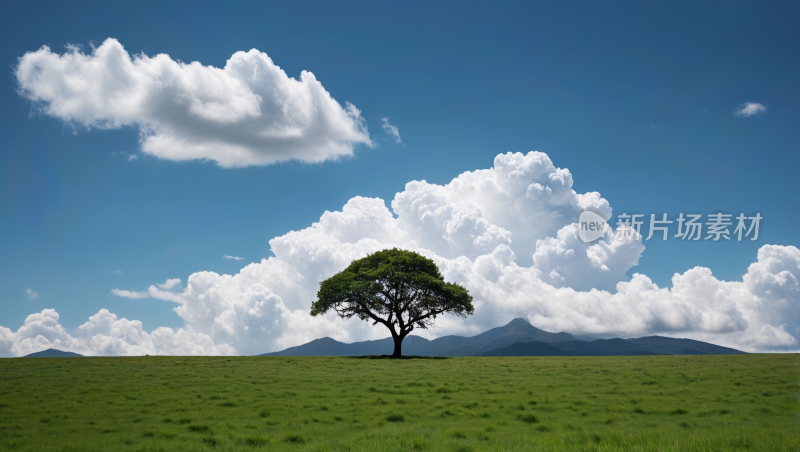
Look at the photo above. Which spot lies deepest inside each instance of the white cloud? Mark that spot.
(508, 235)
(129, 157)
(167, 285)
(170, 283)
(228, 256)
(600, 265)
(31, 294)
(391, 130)
(247, 113)
(129, 294)
(750, 109)
(104, 334)
(522, 199)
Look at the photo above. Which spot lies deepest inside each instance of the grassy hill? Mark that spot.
(637, 403)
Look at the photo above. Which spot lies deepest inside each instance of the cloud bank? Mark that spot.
(750, 109)
(507, 233)
(247, 113)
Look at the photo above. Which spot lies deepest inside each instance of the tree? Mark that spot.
(400, 289)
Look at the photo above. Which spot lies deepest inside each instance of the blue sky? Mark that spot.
(636, 99)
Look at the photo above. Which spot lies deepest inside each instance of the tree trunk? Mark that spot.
(398, 343)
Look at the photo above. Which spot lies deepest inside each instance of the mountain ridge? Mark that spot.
(517, 338)
(52, 353)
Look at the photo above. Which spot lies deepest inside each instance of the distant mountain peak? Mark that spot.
(52, 353)
(516, 338)
(519, 321)
(520, 325)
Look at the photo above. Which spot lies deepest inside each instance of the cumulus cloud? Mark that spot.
(228, 256)
(508, 234)
(31, 294)
(246, 113)
(750, 109)
(104, 334)
(569, 262)
(522, 199)
(391, 130)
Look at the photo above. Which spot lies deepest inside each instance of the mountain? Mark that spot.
(533, 348)
(53, 353)
(672, 346)
(652, 345)
(517, 338)
(518, 330)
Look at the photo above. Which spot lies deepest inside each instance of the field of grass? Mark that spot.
(661, 403)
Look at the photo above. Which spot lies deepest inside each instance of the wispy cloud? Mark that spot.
(391, 130)
(129, 294)
(152, 291)
(31, 294)
(228, 256)
(750, 109)
(170, 283)
(130, 157)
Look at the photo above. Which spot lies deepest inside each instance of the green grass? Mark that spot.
(662, 403)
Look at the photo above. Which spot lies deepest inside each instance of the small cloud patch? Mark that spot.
(129, 294)
(750, 109)
(391, 130)
(170, 283)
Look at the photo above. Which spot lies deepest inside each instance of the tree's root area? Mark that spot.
(396, 357)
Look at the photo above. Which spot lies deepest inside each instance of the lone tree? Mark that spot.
(399, 289)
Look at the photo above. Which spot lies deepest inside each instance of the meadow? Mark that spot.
(653, 403)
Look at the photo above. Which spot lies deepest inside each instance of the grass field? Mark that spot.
(661, 403)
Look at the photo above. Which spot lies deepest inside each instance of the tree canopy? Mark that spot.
(400, 289)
